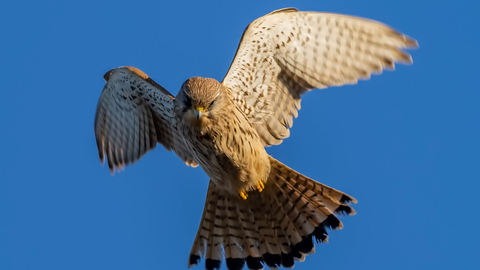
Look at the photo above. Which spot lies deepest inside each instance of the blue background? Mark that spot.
(405, 144)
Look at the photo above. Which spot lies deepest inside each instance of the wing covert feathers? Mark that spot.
(133, 114)
(273, 228)
(286, 53)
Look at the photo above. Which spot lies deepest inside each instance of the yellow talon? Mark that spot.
(243, 194)
(260, 186)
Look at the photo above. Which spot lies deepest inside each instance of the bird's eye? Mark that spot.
(216, 97)
(212, 103)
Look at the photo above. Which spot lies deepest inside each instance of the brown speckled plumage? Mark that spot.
(225, 127)
(223, 141)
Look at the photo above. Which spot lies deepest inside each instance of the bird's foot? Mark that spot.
(243, 194)
(260, 186)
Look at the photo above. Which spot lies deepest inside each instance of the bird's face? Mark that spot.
(199, 97)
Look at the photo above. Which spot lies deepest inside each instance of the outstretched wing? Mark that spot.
(286, 53)
(133, 114)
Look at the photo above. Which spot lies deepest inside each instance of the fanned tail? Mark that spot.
(275, 227)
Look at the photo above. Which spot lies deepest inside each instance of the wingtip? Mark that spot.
(402, 58)
(346, 199)
(404, 40)
(345, 210)
(101, 157)
(108, 74)
(411, 43)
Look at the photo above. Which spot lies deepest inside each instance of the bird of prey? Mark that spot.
(258, 211)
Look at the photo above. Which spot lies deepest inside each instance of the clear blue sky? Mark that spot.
(405, 144)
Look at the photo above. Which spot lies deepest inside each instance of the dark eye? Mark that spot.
(212, 103)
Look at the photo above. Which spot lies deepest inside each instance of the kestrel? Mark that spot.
(257, 210)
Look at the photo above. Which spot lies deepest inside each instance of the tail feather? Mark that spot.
(275, 227)
(287, 216)
(319, 189)
(205, 244)
(283, 225)
(294, 205)
(234, 238)
(263, 225)
(251, 235)
(254, 259)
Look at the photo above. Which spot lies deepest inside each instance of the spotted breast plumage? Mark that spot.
(257, 211)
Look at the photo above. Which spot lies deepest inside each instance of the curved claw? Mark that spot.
(243, 194)
(260, 186)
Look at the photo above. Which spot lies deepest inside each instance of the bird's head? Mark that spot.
(201, 96)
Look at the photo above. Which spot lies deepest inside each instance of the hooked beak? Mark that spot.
(198, 111)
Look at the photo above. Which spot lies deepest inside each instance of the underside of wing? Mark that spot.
(286, 53)
(133, 114)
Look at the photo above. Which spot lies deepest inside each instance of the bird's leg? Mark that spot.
(260, 186)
